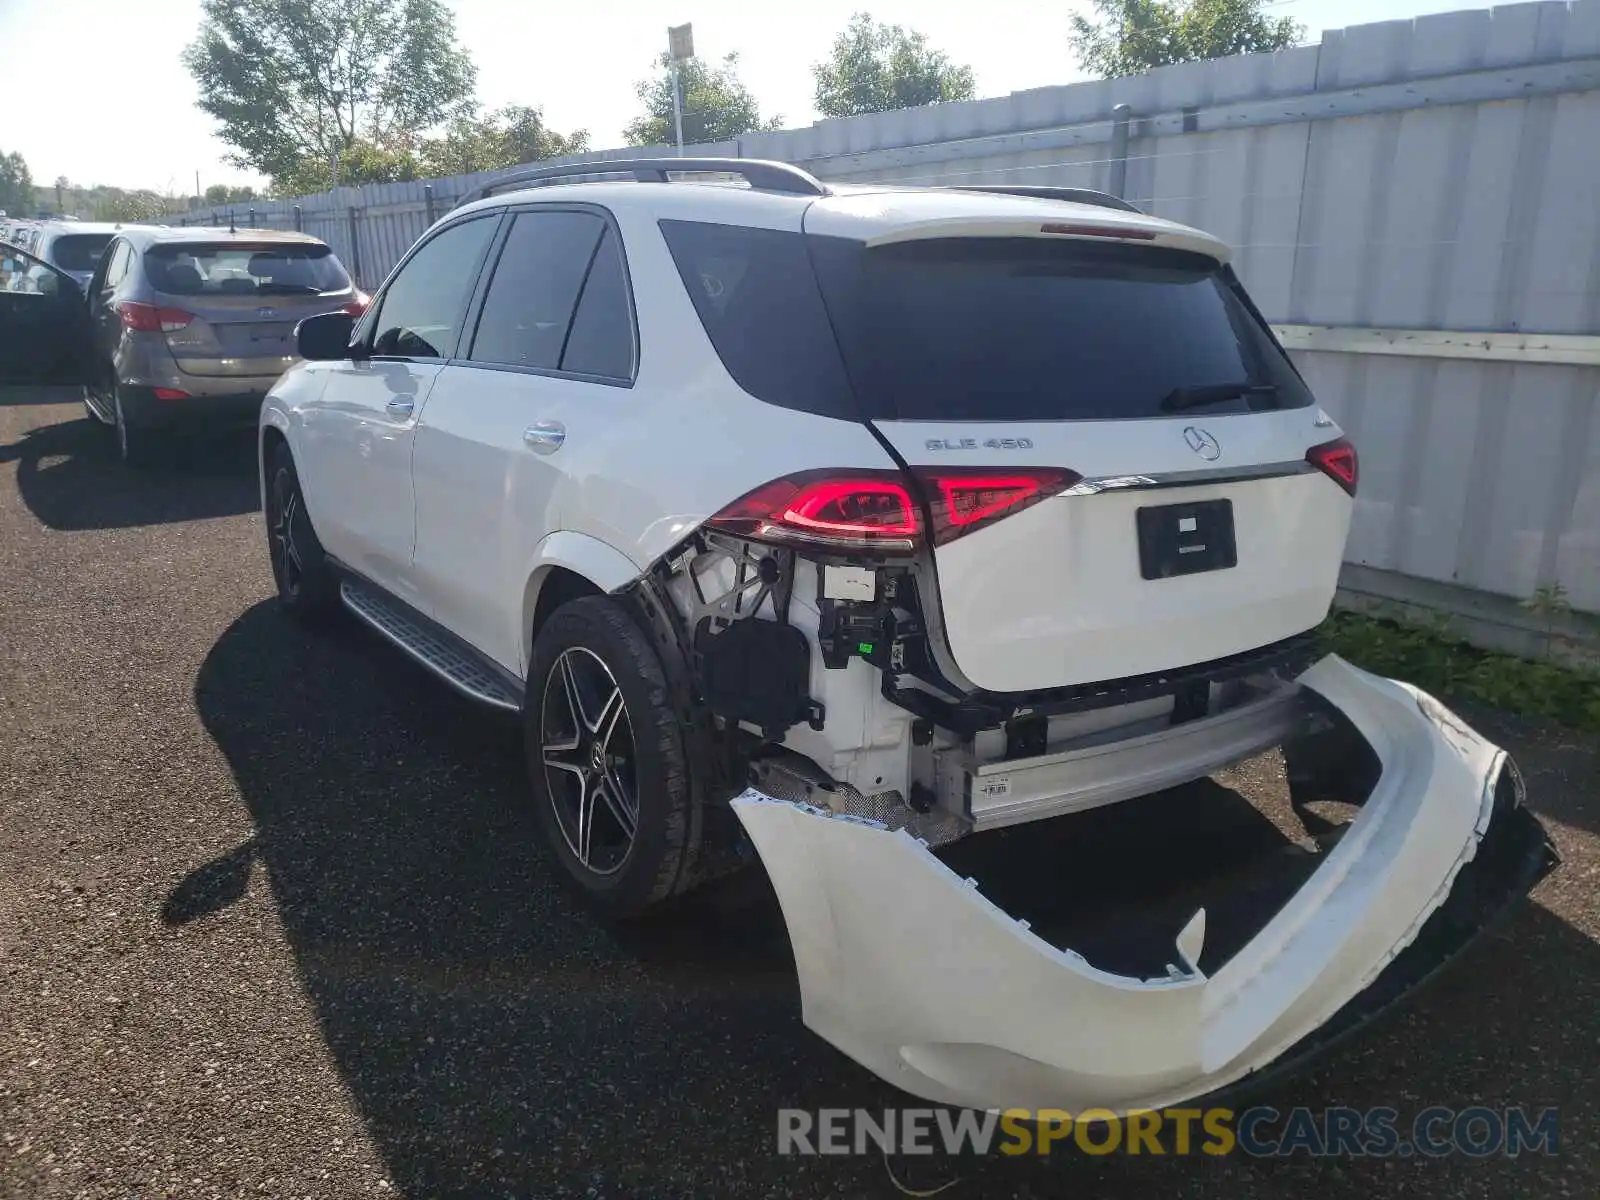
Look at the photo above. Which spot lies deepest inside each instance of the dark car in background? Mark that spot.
(193, 325)
(74, 247)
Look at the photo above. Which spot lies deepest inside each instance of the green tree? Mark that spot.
(716, 105)
(876, 68)
(114, 204)
(1138, 35)
(296, 82)
(16, 185)
(515, 134)
(222, 193)
(361, 162)
(523, 136)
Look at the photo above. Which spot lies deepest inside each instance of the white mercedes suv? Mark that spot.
(836, 523)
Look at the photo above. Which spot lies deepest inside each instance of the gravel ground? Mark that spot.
(271, 923)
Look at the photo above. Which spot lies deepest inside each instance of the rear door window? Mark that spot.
(601, 339)
(529, 307)
(117, 268)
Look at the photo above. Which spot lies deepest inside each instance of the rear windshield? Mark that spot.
(196, 269)
(981, 328)
(79, 251)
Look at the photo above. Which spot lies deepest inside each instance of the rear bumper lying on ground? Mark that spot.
(909, 969)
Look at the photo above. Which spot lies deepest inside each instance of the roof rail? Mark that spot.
(1072, 194)
(757, 172)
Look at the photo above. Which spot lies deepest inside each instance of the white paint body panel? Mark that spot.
(912, 972)
(1053, 596)
(354, 462)
(625, 477)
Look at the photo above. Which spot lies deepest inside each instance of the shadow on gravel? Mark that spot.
(501, 1041)
(70, 478)
(211, 888)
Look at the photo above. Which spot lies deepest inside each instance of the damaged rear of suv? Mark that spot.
(929, 512)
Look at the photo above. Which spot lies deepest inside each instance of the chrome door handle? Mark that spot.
(544, 437)
(401, 407)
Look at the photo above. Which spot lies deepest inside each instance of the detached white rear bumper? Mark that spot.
(911, 971)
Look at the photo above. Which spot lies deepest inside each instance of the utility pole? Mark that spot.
(197, 187)
(680, 48)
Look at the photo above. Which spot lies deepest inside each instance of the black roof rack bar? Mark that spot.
(757, 172)
(1072, 194)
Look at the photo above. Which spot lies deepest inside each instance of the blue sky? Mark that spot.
(94, 90)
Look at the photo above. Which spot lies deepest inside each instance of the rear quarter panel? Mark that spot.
(681, 444)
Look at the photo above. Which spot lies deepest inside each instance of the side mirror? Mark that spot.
(324, 338)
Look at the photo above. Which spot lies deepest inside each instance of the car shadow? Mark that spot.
(69, 476)
(500, 1040)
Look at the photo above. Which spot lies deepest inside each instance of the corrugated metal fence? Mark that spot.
(1393, 183)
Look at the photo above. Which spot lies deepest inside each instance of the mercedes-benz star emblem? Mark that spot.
(1202, 443)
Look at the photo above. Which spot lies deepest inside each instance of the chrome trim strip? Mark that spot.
(1106, 483)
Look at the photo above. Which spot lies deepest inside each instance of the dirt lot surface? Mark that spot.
(272, 923)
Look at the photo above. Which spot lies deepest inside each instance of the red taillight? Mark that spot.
(963, 499)
(170, 394)
(862, 510)
(148, 318)
(1338, 461)
(359, 305)
(875, 510)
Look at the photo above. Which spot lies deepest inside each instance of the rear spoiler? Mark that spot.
(1101, 226)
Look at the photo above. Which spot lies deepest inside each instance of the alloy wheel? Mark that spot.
(587, 748)
(286, 560)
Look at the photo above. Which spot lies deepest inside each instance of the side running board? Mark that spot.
(444, 655)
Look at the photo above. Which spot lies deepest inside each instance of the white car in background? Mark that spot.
(834, 524)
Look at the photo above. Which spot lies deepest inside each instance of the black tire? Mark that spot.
(308, 589)
(135, 446)
(621, 872)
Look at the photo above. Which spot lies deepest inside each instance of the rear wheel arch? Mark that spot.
(546, 591)
(567, 565)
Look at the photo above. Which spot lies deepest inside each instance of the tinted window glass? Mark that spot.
(79, 251)
(284, 269)
(117, 267)
(1037, 329)
(535, 286)
(757, 298)
(601, 339)
(423, 307)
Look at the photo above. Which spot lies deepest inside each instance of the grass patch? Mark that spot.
(1434, 659)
